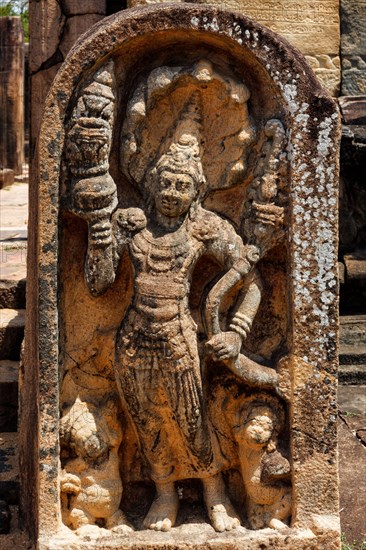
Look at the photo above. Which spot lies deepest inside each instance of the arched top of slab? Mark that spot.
(156, 34)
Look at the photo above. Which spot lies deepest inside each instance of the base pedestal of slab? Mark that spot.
(197, 536)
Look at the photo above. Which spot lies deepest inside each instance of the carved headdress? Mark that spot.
(176, 110)
(181, 152)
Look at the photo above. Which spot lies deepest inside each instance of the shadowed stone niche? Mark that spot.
(182, 373)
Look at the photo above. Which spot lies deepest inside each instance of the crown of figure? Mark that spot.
(182, 151)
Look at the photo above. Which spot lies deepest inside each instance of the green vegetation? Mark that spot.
(19, 8)
(352, 545)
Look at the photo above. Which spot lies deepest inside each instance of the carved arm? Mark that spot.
(240, 268)
(248, 305)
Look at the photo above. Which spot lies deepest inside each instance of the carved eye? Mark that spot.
(182, 186)
(164, 184)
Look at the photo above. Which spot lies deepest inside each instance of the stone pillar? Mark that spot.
(11, 94)
(54, 28)
(353, 47)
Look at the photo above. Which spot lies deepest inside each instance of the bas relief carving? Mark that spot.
(189, 386)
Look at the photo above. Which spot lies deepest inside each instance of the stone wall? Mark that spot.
(353, 46)
(54, 27)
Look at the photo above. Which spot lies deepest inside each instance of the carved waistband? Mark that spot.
(162, 287)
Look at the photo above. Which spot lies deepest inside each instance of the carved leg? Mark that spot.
(281, 511)
(219, 507)
(164, 509)
(257, 516)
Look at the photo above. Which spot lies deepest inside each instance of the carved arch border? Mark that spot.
(312, 120)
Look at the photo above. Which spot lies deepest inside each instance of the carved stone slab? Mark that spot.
(182, 374)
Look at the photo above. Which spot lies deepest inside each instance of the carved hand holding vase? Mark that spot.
(180, 394)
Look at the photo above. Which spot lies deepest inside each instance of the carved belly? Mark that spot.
(158, 298)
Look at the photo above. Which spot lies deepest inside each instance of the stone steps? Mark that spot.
(12, 319)
(9, 468)
(352, 349)
(13, 256)
(12, 294)
(11, 333)
(8, 395)
(16, 539)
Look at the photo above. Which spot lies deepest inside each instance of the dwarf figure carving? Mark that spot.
(265, 471)
(91, 487)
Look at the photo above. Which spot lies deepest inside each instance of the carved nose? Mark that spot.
(170, 195)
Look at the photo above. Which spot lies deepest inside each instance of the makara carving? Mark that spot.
(197, 402)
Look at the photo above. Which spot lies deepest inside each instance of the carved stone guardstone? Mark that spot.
(182, 323)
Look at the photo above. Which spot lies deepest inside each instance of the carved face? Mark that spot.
(174, 193)
(259, 427)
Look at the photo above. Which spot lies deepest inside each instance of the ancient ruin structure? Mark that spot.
(183, 389)
(11, 96)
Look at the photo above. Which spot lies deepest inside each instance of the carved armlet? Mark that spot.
(241, 324)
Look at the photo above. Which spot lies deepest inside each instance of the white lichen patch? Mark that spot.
(313, 235)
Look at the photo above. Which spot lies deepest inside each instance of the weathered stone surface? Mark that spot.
(76, 26)
(352, 330)
(353, 109)
(356, 266)
(352, 374)
(11, 95)
(13, 259)
(353, 47)
(46, 22)
(213, 374)
(312, 26)
(74, 7)
(352, 458)
(41, 82)
(54, 27)
(352, 349)
(352, 402)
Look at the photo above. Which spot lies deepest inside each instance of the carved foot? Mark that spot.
(88, 530)
(164, 509)
(277, 524)
(219, 508)
(118, 523)
(77, 519)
